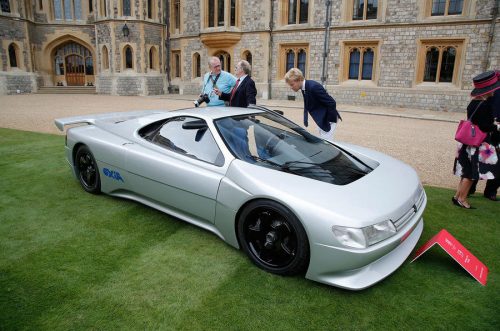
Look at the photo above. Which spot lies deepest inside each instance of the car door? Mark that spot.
(180, 166)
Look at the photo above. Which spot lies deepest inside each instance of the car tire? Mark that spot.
(273, 238)
(87, 171)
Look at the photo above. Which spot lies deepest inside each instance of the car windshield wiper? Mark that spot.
(257, 158)
(310, 167)
(280, 166)
(316, 169)
(292, 163)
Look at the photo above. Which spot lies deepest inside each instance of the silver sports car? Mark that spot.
(345, 215)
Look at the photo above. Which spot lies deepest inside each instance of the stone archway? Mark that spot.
(53, 59)
(73, 63)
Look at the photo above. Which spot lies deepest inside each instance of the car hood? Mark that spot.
(387, 192)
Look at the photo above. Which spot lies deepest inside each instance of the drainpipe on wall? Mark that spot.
(491, 36)
(270, 55)
(326, 46)
(167, 46)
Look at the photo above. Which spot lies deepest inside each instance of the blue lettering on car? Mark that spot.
(112, 174)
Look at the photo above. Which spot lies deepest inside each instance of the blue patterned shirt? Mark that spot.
(225, 83)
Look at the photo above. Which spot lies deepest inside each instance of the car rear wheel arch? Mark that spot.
(272, 237)
(86, 169)
(75, 149)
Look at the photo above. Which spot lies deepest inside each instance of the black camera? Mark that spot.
(203, 98)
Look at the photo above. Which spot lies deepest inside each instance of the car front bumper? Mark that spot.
(324, 267)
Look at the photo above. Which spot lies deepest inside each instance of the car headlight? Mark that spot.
(364, 237)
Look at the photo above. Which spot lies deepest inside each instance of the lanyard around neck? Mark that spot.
(214, 81)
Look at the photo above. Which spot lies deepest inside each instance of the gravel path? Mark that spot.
(423, 139)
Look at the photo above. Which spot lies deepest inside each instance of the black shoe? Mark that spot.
(455, 201)
(492, 198)
(461, 204)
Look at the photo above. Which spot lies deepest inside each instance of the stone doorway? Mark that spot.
(73, 64)
(75, 71)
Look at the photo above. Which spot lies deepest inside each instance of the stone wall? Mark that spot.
(128, 86)
(131, 85)
(13, 31)
(153, 34)
(453, 101)
(258, 45)
(104, 84)
(402, 11)
(17, 82)
(397, 31)
(495, 49)
(255, 15)
(191, 18)
(155, 85)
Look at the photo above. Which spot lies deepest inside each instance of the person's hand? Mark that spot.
(217, 92)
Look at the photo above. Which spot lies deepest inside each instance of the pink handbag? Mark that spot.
(468, 133)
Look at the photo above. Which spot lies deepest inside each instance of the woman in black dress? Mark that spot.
(480, 162)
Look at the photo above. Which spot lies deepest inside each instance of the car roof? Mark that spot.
(213, 113)
(124, 123)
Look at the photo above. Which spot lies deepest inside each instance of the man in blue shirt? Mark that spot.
(216, 78)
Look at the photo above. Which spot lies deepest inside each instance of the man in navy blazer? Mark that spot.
(244, 91)
(317, 102)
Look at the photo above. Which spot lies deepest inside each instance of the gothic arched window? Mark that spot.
(105, 58)
(129, 60)
(196, 65)
(13, 55)
(5, 6)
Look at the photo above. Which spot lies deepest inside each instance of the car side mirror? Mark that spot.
(195, 125)
(200, 133)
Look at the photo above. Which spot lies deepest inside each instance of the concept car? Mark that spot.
(344, 215)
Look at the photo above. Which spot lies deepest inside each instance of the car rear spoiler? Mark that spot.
(90, 119)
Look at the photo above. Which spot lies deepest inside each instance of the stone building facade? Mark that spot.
(395, 53)
(118, 46)
(388, 52)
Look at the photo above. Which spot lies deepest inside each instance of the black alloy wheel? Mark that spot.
(87, 171)
(273, 238)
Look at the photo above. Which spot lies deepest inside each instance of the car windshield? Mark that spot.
(270, 140)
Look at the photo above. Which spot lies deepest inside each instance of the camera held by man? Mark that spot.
(203, 98)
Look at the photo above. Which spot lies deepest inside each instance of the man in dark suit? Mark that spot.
(317, 102)
(244, 92)
(241, 95)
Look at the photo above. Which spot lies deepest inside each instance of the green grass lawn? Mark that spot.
(70, 260)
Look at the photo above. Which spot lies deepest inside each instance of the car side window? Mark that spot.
(189, 136)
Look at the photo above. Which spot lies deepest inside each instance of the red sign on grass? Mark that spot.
(459, 253)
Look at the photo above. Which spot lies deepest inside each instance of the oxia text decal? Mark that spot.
(112, 174)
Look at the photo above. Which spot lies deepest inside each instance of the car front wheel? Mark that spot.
(273, 238)
(87, 171)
